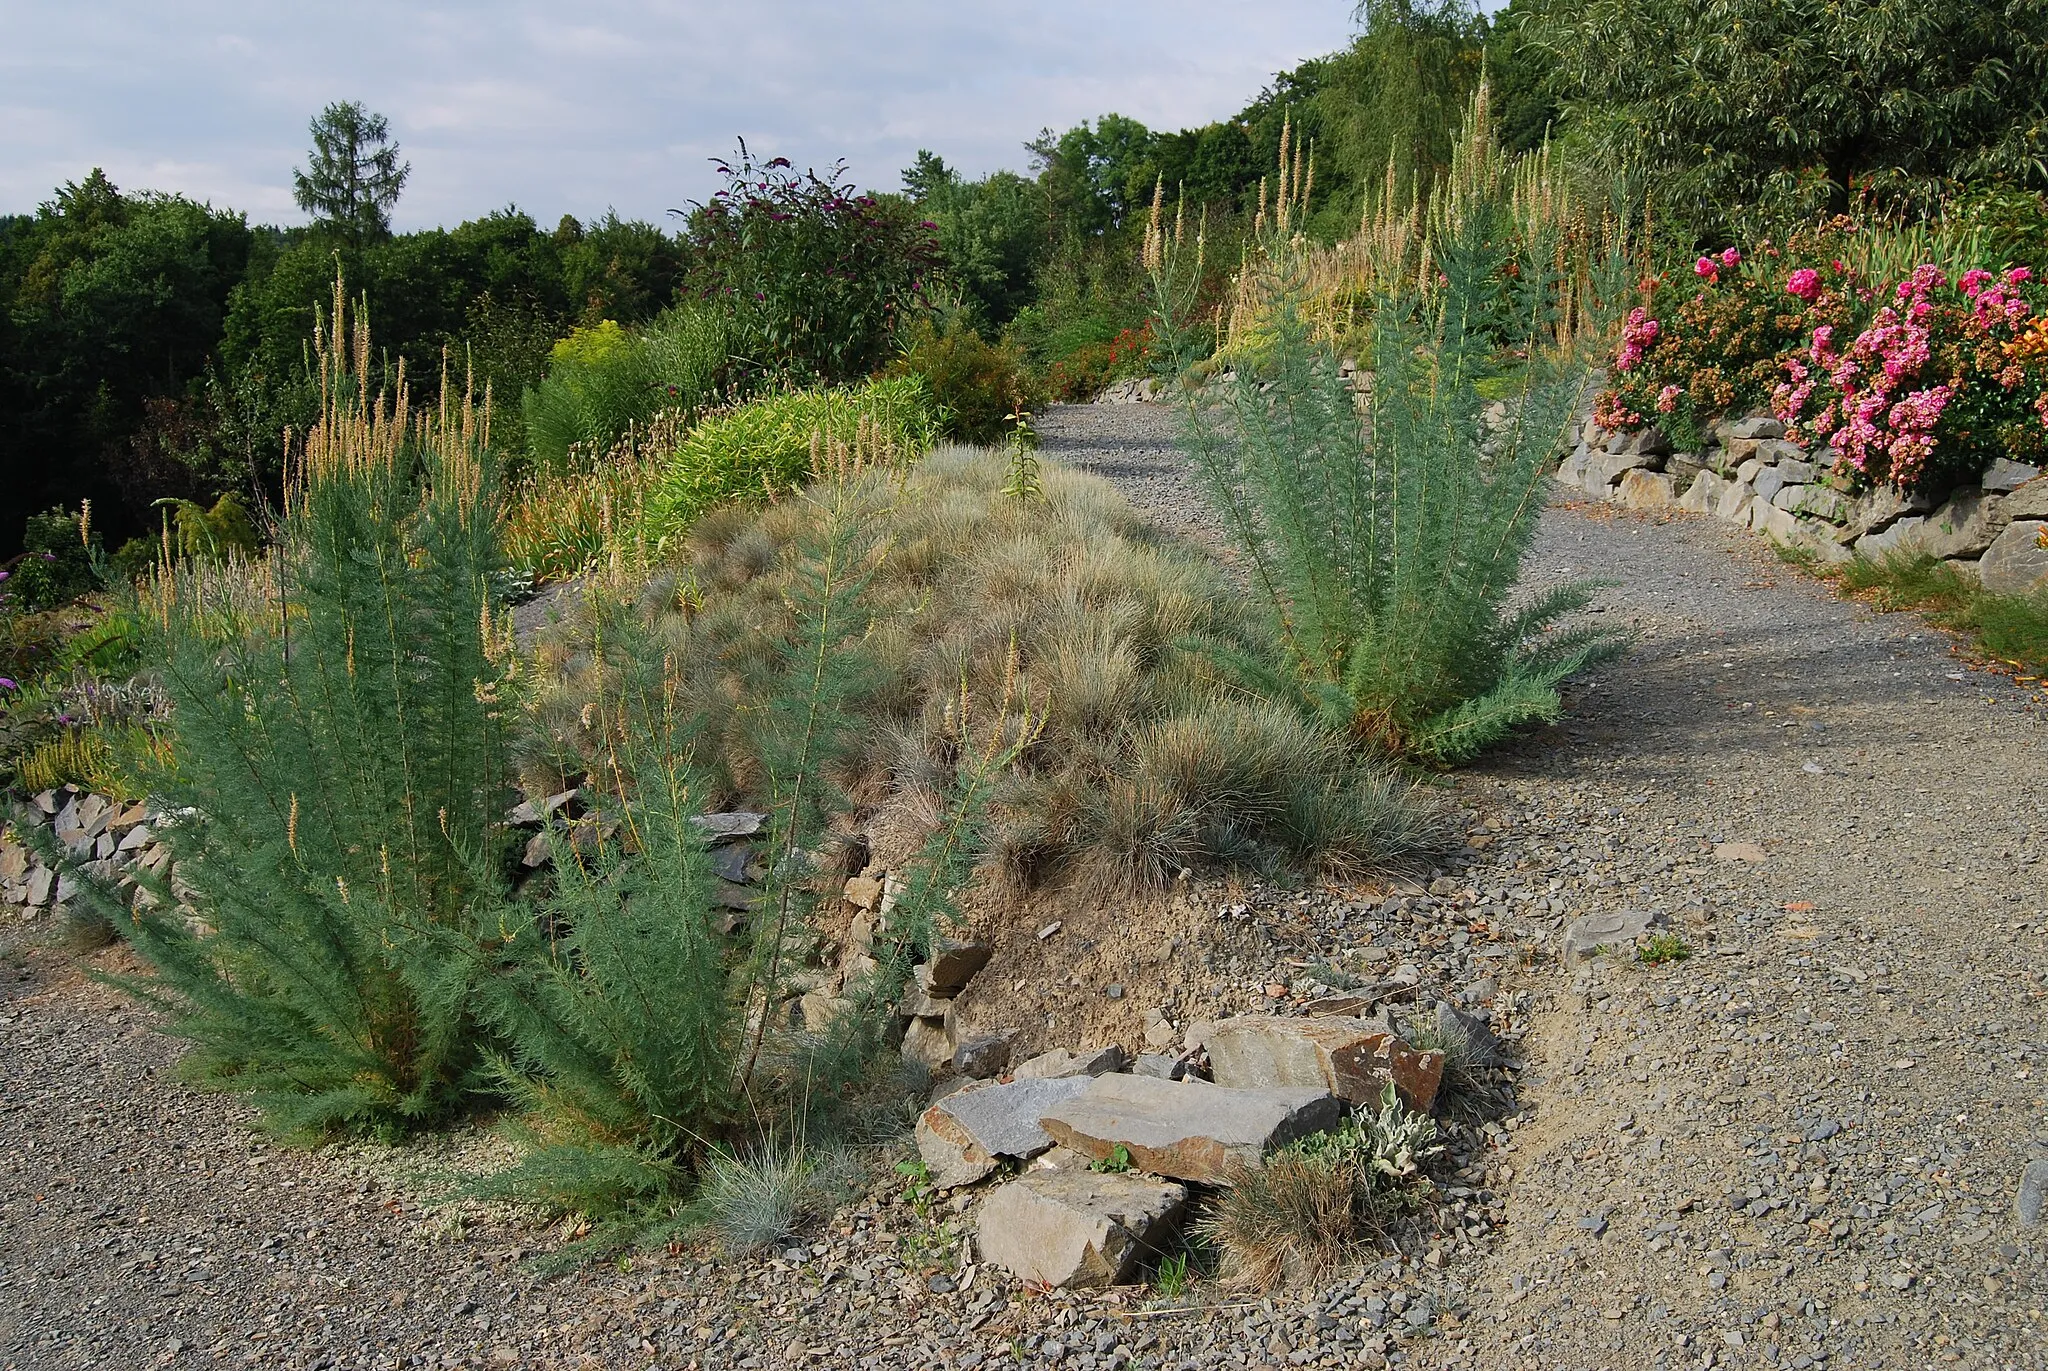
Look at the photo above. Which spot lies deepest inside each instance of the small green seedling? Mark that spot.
(1171, 1280)
(1118, 1160)
(1660, 948)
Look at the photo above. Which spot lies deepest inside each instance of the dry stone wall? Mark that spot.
(1751, 475)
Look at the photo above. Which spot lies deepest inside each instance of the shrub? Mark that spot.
(560, 522)
(55, 564)
(1314, 1204)
(642, 1036)
(766, 448)
(1387, 546)
(1911, 372)
(978, 386)
(604, 380)
(2012, 629)
(336, 763)
(815, 276)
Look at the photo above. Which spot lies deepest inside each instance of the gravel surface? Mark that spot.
(1800, 1145)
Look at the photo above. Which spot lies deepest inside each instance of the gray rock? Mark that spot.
(1162, 1066)
(1189, 1130)
(1609, 928)
(1353, 1059)
(927, 1044)
(1735, 503)
(2004, 475)
(2030, 501)
(1683, 467)
(1060, 1063)
(1603, 469)
(1964, 527)
(1875, 510)
(1768, 482)
(731, 862)
(2032, 1199)
(134, 839)
(1755, 426)
(984, 1057)
(1703, 496)
(532, 813)
(733, 824)
(1902, 535)
(41, 881)
(1795, 471)
(2016, 563)
(965, 1135)
(1078, 1229)
(1648, 441)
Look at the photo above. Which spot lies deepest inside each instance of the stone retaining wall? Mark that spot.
(1753, 476)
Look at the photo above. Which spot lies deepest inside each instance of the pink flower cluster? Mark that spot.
(1878, 431)
(1996, 301)
(1804, 283)
(1710, 267)
(1637, 333)
(1667, 399)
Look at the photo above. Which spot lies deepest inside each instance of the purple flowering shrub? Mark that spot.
(816, 274)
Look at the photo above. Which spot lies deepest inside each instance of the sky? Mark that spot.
(576, 106)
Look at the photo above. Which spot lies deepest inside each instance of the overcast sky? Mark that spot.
(576, 105)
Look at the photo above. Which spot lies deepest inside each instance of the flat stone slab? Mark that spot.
(2032, 1199)
(1353, 1059)
(1190, 1130)
(1089, 1061)
(738, 823)
(1078, 1229)
(964, 1136)
(1583, 938)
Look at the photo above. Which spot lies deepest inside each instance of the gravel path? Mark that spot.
(1799, 1146)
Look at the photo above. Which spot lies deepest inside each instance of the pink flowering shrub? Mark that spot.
(1934, 385)
(1919, 383)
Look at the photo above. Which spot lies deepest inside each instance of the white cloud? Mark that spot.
(572, 108)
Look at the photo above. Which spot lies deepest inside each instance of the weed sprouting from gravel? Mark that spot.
(1659, 948)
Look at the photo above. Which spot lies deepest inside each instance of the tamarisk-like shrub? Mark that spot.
(335, 764)
(1388, 539)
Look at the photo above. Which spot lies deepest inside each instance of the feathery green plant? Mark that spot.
(335, 768)
(1388, 542)
(641, 1038)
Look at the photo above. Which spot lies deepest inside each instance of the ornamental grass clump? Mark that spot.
(1143, 758)
(1386, 537)
(334, 762)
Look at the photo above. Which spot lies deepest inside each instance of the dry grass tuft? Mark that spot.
(1069, 607)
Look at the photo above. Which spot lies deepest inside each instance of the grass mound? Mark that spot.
(1062, 620)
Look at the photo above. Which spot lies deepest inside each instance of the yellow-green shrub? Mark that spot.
(765, 448)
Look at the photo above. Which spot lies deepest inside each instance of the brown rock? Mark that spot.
(1059, 1063)
(1354, 1059)
(864, 892)
(1078, 1229)
(953, 964)
(1190, 1130)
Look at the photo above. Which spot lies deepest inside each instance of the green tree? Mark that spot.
(1754, 110)
(1399, 93)
(355, 176)
(991, 233)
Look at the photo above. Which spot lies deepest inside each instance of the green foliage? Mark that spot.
(353, 177)
(1395, 100)
(603, 380)
(1388, 544)
(1315, 1203)
(978, 385)
(1117, 1162)
(56, 564)
(337, 764)
(109, 303)
(1660, 948)
(1750, 110)
(814, 276)
(991, 234)
(2011, 629)
(767, 448)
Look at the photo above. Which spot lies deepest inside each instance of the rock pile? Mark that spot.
(112, 838)
(1139, 390)
(1111, 1155)
(1751, 475)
